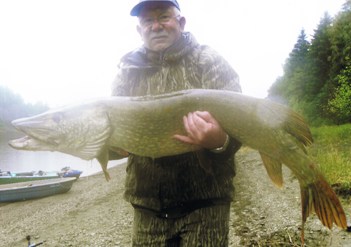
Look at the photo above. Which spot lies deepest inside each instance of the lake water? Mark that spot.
(23, 161)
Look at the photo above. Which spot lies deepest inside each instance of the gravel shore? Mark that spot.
(93, 213)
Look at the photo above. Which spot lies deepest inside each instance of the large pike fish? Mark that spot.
(146, 125)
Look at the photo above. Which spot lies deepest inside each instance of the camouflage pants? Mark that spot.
(205, 227)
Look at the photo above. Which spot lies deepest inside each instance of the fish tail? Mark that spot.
(321, 198)
(303, 234)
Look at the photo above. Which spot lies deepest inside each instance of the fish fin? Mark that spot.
(292, 122)
(103, 160)
(117, 153)
(321, 198)
(298, 128)
(96, 144)
(274, 169)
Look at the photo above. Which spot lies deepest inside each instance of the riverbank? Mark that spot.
(94, 213)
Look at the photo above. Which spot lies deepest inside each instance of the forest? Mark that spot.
(12, 106)
(317, 74)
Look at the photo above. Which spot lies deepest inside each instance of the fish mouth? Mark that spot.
(27, 143)
(36, 136)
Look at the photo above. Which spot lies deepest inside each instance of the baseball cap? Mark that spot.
(136, 9)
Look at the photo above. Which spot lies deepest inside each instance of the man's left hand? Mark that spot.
(203, 131)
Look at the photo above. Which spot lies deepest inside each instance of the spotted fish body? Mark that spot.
(146, 125)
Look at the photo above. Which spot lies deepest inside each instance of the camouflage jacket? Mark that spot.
(170, 181)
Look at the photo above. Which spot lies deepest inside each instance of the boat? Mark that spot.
(7, 177)
(34, 189)
(67, 172)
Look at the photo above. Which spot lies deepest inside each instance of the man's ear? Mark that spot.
(182, 22)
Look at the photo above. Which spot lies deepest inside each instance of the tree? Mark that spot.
(292, 85)
(319, 57)
(340, 105)
(341, 40)
(317, 77)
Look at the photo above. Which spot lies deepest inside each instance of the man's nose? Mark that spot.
(156, 25)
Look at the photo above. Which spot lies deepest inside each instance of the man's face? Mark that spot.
(160, 26)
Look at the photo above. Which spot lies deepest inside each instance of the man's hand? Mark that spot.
(203, 131)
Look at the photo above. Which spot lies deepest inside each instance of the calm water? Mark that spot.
(21, 161)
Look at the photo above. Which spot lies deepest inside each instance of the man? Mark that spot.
(182, 200)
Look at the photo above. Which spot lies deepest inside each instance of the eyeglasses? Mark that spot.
(162, 20)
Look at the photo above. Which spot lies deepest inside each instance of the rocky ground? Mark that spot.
(93, 213)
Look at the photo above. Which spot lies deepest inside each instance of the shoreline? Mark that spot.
(94, 213)
(69, 219)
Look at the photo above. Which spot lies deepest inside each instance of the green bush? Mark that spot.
(331, 150)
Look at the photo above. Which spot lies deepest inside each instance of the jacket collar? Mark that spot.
(143, 57)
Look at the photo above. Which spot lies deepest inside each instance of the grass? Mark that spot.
(332, 151)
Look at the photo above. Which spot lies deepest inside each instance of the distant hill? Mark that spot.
(12, 106)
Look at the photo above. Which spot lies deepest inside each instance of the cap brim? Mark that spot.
(136, 10)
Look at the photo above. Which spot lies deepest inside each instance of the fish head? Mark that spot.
(80, 130)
